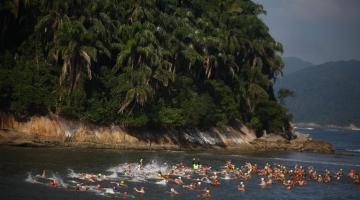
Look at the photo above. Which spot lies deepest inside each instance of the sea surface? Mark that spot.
(20, 169)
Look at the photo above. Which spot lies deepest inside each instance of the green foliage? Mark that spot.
(224, 98)
(283, 94)
(171, 116)
(136, 120)
(273, 117)
(27, 87)
(142, 63)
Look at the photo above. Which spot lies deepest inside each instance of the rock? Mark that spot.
(318, 146)
(55, 131)
(303, 142)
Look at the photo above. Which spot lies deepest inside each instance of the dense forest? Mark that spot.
(141, 63)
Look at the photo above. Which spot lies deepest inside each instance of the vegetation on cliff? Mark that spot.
(141, 63)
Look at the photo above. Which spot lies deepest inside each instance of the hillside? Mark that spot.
(325, 94)
(294, 64)
(141, 64)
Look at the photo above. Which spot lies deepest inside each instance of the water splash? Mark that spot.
(137, 173)
(72, 174)
(59, 181)
(30, 178)
(114, 175)
(163, 182)
(109, 191)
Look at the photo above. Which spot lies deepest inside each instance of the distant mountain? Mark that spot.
(325, 94)
(294, 64)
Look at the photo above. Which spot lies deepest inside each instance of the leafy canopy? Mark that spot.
(184, 63)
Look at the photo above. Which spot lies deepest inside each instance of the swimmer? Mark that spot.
(262, 182)
(122, 184)
(289, 185)
(181, 165)
(205, 179)
(320, 179)
(198, 184)
(173, 192)
(269, 182)
(188, 176)
(301, 182)
(189, 187)
(53, 183)
(81, 188)
(141, 163)
(125, 194)
(141, 190)
(327, 178)
(254, 168)
(160, 175)
(178, 181)
(101, 177)
(356, 179)
(215, 182)
(339, 174)
(206, 193)
(241, 187)
(352, 173)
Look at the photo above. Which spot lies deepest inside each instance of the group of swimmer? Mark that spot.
(204, 179)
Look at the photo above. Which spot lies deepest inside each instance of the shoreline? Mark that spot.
(54, 131)
(350, 127)
(256, 146)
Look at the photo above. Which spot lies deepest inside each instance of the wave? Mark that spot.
(353, 150)
(72, 174)
(305, 128)
(301, 161)
(148, 171)
(30, 178)
(163, 182)
(114, 175)
(59, 180)
(43, 180)
(318, 162)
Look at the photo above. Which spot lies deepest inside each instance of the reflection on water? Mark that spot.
(21, 171)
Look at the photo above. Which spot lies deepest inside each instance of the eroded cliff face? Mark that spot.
(54, 130)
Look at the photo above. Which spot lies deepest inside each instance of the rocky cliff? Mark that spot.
(53, 130)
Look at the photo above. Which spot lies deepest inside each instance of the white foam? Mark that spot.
(354, 150)
(30, 178)
(59, 180)
(114, 175)
(138, 173)
(227, 177)
(317, 162)
(162, 182)
(72, 174)
(109, 191)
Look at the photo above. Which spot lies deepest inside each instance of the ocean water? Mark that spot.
(21, 169)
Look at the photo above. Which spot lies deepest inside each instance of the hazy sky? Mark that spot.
(315, 30)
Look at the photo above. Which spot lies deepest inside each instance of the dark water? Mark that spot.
(17, 163)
